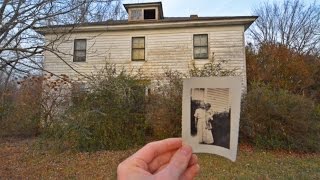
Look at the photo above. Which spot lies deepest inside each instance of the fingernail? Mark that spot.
(186, 149)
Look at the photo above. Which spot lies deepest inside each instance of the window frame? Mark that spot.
(194, 46)
(144, 48)
(75, 50)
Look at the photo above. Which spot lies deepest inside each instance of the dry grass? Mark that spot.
(20, 159)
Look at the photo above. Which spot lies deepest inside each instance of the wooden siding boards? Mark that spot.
(164, 49)
(219, 98)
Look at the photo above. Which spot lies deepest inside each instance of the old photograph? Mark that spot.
(210, 116)
(211, 111)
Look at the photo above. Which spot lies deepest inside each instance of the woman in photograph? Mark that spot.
(204, 132)
(209, 120)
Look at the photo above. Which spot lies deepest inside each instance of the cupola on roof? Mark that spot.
(144, 11)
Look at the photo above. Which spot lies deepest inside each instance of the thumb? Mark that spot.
(178, 163)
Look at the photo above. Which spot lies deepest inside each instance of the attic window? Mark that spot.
(149, 14)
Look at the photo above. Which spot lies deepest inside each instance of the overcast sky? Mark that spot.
(207, 7)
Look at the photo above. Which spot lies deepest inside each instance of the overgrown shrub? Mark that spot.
(21, 110)
(277, 119)
(211, 69)
(110, 115)
(164, 108)
(55, 98)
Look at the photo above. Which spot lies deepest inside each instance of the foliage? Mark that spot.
(277, 119)
(164, 106)
(21, 109)
(108, 116)
(283, 68)
(211, 69)
(55, 98)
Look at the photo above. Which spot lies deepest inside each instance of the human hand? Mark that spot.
(168, 159)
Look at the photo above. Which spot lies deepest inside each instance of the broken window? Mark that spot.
(149, 14)
(200, 46)
(80, 50)
(138, 48)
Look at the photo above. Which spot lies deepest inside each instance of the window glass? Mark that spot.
(138, 42)
(80, 53)
(138, 48)
(80, 46)
(138, 54)
(200, 46)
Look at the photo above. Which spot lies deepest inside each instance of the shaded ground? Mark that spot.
(20, 159)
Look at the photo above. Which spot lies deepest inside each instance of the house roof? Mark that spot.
(165, 22)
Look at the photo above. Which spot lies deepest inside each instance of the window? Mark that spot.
(200, 46)
(80, 50)
(138, 48)
(78, 90)
(149, 14)
(136, 14)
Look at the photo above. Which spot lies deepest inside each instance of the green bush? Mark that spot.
(110, 115)
(277, 119)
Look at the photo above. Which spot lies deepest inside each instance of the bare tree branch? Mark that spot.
(290, 23)
(20, 44)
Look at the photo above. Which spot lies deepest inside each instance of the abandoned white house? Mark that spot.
(149, 41)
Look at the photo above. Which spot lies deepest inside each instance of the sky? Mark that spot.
(173, 8)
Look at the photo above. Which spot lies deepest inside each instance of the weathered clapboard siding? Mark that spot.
(219, 99)
(164, 49)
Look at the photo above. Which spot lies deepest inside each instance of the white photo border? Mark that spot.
(234, 86)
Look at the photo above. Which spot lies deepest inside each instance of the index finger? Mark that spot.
(154, 149)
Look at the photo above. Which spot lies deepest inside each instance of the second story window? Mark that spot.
(80, 50)
(200, 46)
(138, 49)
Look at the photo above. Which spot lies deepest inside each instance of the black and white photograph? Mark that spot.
(210, 116)
(211, 113)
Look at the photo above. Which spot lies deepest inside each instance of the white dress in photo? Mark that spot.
(204, 134)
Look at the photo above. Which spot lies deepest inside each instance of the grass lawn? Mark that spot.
(20, 159)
